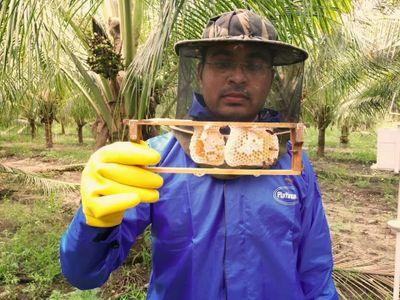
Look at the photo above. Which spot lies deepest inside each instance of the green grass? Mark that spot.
(66, 148)
(76, 295)
(361, 147)
(31, 225)
(133, 293)
(29, 244)
(390, 194)
(30, 229)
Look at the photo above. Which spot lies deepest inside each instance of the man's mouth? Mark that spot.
(235, 98)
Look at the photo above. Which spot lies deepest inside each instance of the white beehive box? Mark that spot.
(388, 149)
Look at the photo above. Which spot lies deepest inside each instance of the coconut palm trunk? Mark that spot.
(32, 127)
(109, 67)
(321, 141)
(323, 119)
(48, 122)
(80, 132)
(344, 135)
(47, 112)
(62, 128)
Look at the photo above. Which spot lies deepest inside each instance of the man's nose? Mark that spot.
(238, 75)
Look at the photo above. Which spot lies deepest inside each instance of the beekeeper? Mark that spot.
(212, 237)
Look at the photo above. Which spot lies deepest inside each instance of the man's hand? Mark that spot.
(113, 181)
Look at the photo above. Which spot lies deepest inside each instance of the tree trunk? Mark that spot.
(100, 133)
(321, 142)
(80, 134)
(48, 133)
(151, 131)
(344, 137)
(32, 126)
(62, 128)
(114, 90)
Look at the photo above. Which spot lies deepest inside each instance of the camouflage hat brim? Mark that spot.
(282, 53)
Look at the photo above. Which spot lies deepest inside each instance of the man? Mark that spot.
(212, 238)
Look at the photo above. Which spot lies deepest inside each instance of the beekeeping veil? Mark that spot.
(243, 26)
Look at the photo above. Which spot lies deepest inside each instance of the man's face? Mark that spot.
(235, 80)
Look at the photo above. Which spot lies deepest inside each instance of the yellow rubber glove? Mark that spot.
(113, 181)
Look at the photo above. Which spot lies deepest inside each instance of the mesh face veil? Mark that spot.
(247, 28)
(282, 103)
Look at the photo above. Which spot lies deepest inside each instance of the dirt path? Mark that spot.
(358, 213)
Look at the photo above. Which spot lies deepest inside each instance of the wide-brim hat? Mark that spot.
(243, 26)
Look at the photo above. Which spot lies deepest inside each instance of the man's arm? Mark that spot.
(89, 254)
(315, 261)
(116, 192)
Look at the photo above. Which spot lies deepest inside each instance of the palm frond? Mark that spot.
(361, 278)
(297, 22)
(356, 70)
(354, 284)
(90, 89)
(376, 31)
(47, 185)
(143, 71)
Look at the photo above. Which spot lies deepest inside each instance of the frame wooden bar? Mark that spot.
(296, 137)
(216, 171)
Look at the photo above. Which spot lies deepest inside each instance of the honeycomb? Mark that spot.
(207, 145)
(245, 146)
(251, 147)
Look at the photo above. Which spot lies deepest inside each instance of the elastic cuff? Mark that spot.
(81, 231)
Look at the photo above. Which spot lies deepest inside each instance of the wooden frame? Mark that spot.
(296, 137)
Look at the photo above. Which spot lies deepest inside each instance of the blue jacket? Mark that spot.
(251, 237)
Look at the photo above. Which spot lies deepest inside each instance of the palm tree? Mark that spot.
(26, 106)
(81, 112)
(328, 79)
(354, 79)
(66, 26)
(375, 26)
(47, 113)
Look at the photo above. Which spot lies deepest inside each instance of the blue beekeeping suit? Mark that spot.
(250, 237)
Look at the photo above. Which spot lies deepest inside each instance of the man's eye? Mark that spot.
(223, 65)
(254, 66)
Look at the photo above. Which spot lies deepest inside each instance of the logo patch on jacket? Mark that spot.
(286, 195)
